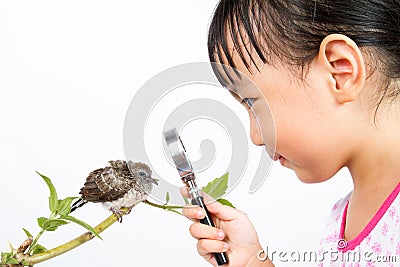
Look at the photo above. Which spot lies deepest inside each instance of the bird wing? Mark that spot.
(104, 185)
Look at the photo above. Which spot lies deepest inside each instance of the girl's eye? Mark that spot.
(248, 102)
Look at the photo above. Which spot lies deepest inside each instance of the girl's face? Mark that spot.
(310, 130)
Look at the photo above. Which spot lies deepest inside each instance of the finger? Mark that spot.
(223, 212)
(184, 192)
(220, 211)
(205, 247)
(193, 212)
(203, 231)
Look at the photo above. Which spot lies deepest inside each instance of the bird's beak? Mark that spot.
(154, 180)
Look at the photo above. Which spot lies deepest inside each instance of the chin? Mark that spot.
(311, 178)
(312, 181)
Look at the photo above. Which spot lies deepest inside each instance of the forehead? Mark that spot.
(238, 79)
(237, 34)
(235, 56)
(238, 54)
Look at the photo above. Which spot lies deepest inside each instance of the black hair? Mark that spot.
(292, 31)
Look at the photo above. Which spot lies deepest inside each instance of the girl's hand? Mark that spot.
(233, 234)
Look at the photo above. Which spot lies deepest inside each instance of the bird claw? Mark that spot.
(128, 211)
(118, 213)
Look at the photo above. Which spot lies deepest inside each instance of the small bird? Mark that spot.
(120, 185)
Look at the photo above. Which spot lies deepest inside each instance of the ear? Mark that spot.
(343, 63)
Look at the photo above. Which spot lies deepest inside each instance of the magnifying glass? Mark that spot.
(185, 170)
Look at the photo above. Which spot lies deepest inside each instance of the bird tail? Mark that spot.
(77, 204)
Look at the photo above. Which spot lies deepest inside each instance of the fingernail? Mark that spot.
(225, 248)
(199, 213)
(221, 234)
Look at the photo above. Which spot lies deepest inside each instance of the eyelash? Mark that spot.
(248, 102)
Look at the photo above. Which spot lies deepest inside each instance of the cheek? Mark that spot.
(310, 154)
(305, 127)
(298, 142)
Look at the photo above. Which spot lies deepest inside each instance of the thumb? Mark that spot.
(219, 210)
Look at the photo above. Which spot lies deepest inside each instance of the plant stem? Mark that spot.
(40, 257)
(54, 252)
(35, 241)
(164, 207)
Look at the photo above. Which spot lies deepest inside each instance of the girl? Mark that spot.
(329, 70)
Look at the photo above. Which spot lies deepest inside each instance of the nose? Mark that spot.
(255, 134)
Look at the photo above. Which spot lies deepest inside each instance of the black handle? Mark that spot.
(199, 201)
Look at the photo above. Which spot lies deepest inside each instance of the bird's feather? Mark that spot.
(107, 184)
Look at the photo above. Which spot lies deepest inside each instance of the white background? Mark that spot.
(68, 71)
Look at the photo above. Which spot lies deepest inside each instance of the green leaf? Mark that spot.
(64, 205)
(27, 233)
(41, 221)
(217, 187)
(226, 202)
(12, 260)
(8, 258)
(81, 223)
(5, 256)
(167, 198)
(38, 249)
(50, 224)
(53, 224)
(53, 199)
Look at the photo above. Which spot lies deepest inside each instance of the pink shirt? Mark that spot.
(377, 245)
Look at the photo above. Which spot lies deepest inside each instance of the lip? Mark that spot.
(281, 160)
(276, 157)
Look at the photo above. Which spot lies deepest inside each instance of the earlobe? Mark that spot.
(343, 63)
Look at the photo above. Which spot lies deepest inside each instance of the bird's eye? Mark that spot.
(142, 173)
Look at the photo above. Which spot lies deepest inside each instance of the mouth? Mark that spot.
(279, 158)
(276, 157)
